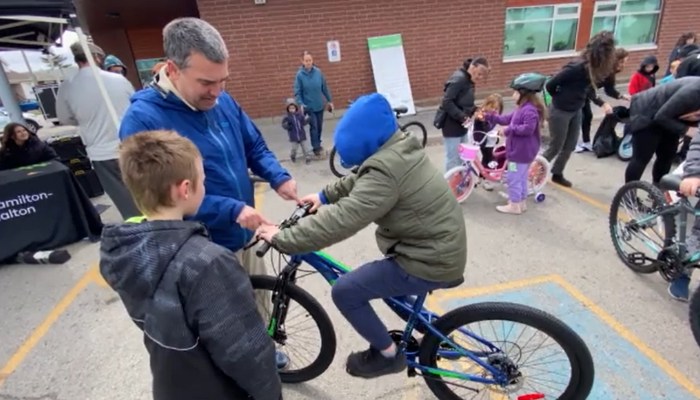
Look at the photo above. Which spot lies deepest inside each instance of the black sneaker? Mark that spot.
(560, 180)
(293, 157)
(372, 364)
(308, 161)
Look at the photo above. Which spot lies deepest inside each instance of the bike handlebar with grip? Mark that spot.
(263, 249)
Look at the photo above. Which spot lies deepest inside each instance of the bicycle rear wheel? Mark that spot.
(278, 327)
(661, 231)
(513, 358)
(694, 313)
(417, 129)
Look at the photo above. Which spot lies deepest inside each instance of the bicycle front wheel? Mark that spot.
(417, 129)
(336, 167)
(634, 202)
(461, 181)
(281, 327)
(527, 372)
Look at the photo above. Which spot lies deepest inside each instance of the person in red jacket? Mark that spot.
(645, 77)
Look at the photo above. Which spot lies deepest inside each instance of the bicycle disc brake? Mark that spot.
(670, 265)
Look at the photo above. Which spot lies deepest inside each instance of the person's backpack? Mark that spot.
(439, 120)
(606, 141)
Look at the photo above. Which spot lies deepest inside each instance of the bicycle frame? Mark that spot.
(332, 269)
(681, 208)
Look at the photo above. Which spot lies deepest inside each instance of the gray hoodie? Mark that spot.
(195, 305)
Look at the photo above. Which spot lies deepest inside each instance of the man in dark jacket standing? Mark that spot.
(658, 120)
(458, 106)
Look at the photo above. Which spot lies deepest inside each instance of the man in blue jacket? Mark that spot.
(187, 96)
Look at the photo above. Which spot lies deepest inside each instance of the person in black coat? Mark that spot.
(458, 105)
(685, 39)
(659, 118)
(569, 89)
(22, 147)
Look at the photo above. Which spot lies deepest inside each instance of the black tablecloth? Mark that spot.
(42, 207)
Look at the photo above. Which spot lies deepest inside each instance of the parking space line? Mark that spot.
(621, 330)
(25, 348)
(581, 196)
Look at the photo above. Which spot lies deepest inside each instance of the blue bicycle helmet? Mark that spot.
(530, 82)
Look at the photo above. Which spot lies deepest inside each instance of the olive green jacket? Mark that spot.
(419, 220)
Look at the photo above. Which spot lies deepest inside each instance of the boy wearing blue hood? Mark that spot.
(421, 229)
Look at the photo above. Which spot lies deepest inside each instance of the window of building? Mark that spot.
(533, 32)
(145, 67)
(635, 22)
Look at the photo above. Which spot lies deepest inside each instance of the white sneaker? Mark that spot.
(487, 185)
(583, 147)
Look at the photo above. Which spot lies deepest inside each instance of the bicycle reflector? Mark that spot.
(532, 396)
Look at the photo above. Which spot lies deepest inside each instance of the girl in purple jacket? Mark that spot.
(522, 137)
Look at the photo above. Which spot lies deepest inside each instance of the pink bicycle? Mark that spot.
(464, 178)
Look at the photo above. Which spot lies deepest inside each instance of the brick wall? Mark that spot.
(265, 43)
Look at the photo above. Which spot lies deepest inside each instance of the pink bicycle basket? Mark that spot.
(468, 152)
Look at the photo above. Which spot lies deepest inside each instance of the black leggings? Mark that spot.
(586, 120)
(646, 143)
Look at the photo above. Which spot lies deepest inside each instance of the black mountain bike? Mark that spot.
(414, 127)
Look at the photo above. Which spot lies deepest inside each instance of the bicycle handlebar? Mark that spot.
(299, 213)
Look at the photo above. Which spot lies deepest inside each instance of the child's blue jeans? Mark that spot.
(376, 280)
(516, 178)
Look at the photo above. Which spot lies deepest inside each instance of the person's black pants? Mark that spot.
(645, 144)
(586, 120)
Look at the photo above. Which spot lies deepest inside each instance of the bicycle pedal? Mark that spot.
(637, 259)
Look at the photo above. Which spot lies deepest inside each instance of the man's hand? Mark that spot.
(625, 97)
(313, 199)
(689, 186)
(691, 132)
(607, 108)
(288, 191)
(267, 232)
(250, 218)
(331, 107)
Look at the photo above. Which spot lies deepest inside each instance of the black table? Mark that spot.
(42, 207)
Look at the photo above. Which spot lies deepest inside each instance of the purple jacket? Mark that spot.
(294, 124)
(522, 133)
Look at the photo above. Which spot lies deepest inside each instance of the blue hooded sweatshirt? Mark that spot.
(364, 128)
(230, 144)
(310, 88)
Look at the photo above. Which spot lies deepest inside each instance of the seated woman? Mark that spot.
(21, 147)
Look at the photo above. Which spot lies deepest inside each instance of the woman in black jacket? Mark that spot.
(21, 147)
(622, 56)
(458, 106)
(659, 118)
(686, 38)
(569, 90)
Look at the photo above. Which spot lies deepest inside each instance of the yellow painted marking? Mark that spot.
(583, 197)
(480, 291)
(35, 337)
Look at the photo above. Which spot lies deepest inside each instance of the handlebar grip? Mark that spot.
(262, 250)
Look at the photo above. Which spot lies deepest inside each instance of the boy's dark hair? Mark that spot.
(536, 100)
(152, 162)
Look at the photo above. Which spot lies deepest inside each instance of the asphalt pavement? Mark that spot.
(65, 336)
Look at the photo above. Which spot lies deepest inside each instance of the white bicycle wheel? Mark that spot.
(462, 182)
(537, 176)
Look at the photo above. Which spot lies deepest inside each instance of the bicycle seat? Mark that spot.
(451, 285)
(401, 110)
(671, 182)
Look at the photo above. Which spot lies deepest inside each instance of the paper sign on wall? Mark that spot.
(333, 47)
(390, 72)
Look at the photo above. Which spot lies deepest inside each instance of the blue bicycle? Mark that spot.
(505, 369)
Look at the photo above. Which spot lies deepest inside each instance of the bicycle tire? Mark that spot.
(450, 177)
(535, 185)
(580, 359)
(318, 314)
(669, 222)
(331, 161)
(621, 154)
(421, 127)
(694, 314)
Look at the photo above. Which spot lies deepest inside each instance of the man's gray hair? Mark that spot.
(184, 36)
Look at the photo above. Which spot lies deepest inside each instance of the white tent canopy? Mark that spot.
(30, 38)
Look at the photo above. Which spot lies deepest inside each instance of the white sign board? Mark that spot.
(390, 72)
(333, 47)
